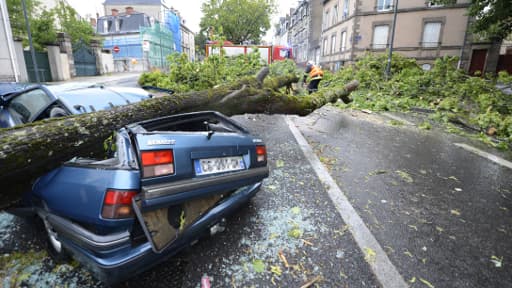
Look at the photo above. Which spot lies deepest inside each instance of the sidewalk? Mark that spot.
(104, 79)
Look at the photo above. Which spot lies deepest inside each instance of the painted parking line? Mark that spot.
(384, 270)
(484, 154)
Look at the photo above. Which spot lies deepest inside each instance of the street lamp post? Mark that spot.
(388, 66)
(32, 52)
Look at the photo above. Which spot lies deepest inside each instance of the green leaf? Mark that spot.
(258, 266)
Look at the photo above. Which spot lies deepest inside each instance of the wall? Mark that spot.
(59, 65)
(107, 61)
(20, 58)
(9, 71)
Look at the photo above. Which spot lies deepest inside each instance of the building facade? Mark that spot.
(304, 30)
(160, 11)
(424, 31)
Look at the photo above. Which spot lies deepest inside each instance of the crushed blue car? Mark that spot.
(22, 103)
(170, 181)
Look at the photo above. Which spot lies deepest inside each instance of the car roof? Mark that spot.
(92, 99)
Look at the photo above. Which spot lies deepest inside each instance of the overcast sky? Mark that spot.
(190, 10)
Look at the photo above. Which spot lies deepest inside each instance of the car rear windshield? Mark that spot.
(193, 122)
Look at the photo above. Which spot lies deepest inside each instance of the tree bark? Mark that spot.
(29, 151)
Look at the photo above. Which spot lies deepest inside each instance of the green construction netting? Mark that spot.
(161, 44)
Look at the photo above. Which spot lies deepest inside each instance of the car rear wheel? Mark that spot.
(53, 245)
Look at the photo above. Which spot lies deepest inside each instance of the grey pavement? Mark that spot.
(121, 79)
(442, 213)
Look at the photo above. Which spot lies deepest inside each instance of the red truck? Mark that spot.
(268, 54)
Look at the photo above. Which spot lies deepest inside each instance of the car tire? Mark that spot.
(58, 112)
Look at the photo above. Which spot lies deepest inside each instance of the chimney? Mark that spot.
(129, 10)
(115, 12)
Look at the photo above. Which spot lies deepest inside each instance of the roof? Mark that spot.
(133, 2)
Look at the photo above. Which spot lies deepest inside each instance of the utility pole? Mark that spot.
(32, 52)
(388, 66)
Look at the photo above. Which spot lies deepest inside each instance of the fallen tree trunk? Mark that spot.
(29, 151)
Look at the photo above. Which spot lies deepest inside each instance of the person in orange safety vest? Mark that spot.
(315, 74)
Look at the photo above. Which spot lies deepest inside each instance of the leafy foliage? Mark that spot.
(16, 17)
(475, 101)
(46, 23)
(186, 76)
(43, 30)
(239, 20)
(69, 22)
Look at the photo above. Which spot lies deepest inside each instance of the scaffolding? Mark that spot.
(172, 23)
(160, 43)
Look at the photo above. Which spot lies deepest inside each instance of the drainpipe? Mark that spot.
(8, 35)
(388, 67)
(459, 64)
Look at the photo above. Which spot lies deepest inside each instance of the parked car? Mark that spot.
(26, 103)
(170, 181)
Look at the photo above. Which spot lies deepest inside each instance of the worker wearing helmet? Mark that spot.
(315, 74)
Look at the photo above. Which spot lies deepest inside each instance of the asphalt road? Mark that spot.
(441, 215)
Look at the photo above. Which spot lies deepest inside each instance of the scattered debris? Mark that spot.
(283, 258)
(406, 252)
(440, 229)
(427, 283)
(405, 176)
(340, 254)
(455, 212)
(366, 111)
(276, 270)
(377, 172)
(295, 210)
(413, 227)
(313, 281)
(413, 279)
(497, 261)
(205, 281)
(258, 266)
(279, 163)
(370, 255)
(458, 189)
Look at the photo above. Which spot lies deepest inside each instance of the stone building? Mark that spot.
(305, 30)
(424, 31)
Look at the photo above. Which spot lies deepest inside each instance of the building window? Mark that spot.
(380, 36)
(333, 44)
(334, 15)
(345, 9)
(384, 5)
(343, 41)
(433, 4)
(325, 20)
(324, 51)
(431, 34)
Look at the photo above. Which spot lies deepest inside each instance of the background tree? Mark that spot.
(19, 29)
(242, 21)
(43, 30)
(70, 23)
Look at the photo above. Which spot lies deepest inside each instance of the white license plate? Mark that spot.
(218, 165)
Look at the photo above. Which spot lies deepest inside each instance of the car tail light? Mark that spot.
(118, 204)
(157, 163)
(261, 153)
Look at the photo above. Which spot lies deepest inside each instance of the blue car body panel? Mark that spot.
(71, 197)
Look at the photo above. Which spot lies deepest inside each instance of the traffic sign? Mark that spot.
(116, 49)
(145, 46)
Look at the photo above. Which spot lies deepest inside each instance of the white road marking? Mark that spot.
(484, 154)
(384, 270)
(399, 119)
